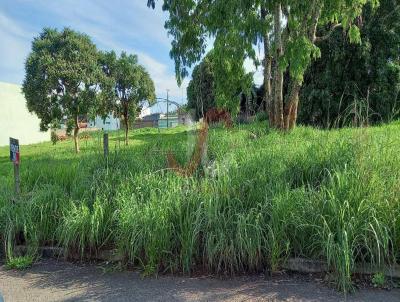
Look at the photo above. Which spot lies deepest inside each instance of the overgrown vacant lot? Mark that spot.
(258, 198)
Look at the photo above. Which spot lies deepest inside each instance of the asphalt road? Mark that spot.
(52, 280)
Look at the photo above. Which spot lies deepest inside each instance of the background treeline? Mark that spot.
(353, 84)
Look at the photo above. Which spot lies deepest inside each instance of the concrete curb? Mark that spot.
(303, 265)
(59, 252)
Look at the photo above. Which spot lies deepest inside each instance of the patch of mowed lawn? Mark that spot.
(258, 198)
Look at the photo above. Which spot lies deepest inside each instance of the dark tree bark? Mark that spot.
(267, 98)
(291, 105)
(278, 73)
(126, 122)
(76, 132)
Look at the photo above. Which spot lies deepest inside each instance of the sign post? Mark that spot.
(15, 158)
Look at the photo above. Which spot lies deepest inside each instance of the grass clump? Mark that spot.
(254, 202)
(20, 262)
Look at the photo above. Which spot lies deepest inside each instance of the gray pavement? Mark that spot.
(51, 280)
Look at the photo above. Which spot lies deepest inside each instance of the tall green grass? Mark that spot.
(326, 195)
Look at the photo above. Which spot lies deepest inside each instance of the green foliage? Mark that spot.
(356, 84)
(201, 88)
(261, 116)
(354, 34)
(20, 262)
(298, 56)
(378, 280)
(128, 85)
(327, 195)
(62, 76)
(217, 83)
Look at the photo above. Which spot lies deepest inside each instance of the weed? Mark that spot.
(20, 262)
(378, 280)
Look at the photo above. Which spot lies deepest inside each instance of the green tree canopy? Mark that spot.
(129, 85)
(62, 77)
(287, 30)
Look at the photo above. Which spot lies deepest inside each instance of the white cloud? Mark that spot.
(13, 28)
(249, 66)
(129, 20)
(163, 80)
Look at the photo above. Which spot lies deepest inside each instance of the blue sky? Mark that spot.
(119, 25)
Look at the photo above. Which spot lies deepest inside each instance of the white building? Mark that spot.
(15, 119)
(144, 112)
(109, 123)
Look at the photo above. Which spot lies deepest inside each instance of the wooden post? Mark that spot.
(17, 179)
(105, 144)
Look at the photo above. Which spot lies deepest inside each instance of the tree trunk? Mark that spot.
(267, 98)
(268, 89)
(267, 81)
(76, 132)
(126, 128)
(290, 117)
(278, 73)
(293, 112)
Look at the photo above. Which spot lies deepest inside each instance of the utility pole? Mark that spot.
(167, 109)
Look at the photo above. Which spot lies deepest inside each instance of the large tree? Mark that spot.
(129, 85)
(287, 30)
(356, 83)
(62, 78)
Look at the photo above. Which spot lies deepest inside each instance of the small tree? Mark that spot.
(129, 85)
(216, 84)
(201, 88)
(62, 78)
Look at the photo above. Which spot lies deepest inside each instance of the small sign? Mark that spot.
(14, 150)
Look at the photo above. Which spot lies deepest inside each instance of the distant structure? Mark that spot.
(150, 120)
(168, 122)
(145, 111)
(160, 120)
(15, 119)
(111, 123)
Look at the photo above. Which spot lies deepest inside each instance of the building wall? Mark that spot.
(108, 124)
(172, 121)
(144, 124)
(15, 119)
